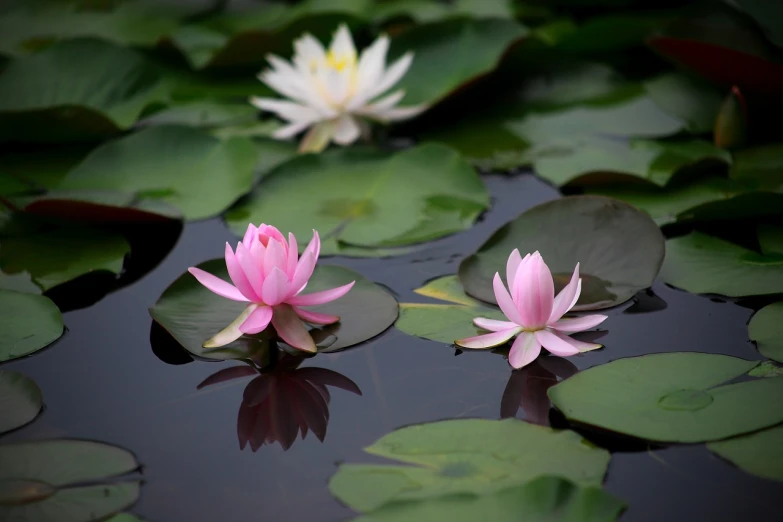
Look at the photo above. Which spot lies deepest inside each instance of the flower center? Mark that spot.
(340, 62)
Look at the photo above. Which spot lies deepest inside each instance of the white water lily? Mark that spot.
(333, 92)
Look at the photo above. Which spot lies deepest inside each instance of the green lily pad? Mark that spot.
(467, 456)
(444, 322)
(151, 163)
(759, 453)
(58, 95)
(761, 166)
(29, 322)
(65, 481)
(192, 314)
(20, 400)
(766, 369)
(20, 282)
(703, 264)
(450, 54)
(671, 397)
(619, 249)
(203, 113)
(767, 15)
(687, 99)
(34, 170)
(545, 499)
(56, 256)
(367, 198)
(766, 329)
(124, 517)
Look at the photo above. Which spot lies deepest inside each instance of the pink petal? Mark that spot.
(492, 325)
(322, 297)
(230, 333)
(293, 256)
(578, 324)
(524, 350)
(315, 317)
(257, 321)
(276, 286)
(291, 329)
(314, 246)
(567, 297)
(250, 268)
(304, 269)
(535, 290)
(217, 285)
(250, 235)
(579, 345)
(275, 257)
(267, 232)
(511, 267)
(258, 251)
(238, 275)
(488, 340)
(504, 301)
(556, 344)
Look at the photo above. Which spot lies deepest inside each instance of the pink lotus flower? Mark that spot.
(268, 273)
(534, 314)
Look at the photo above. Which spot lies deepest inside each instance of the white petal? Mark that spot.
(287, 110)
(342, 43)
(393, 74)
(347, 130)
(369, 70)
(398, 113)
(308, 50)
(290, 130)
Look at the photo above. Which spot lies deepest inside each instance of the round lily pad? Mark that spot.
(65, 481)
(758, 453)
(29, 322)
(671, 397)
(619, 249)
(469, 456)
(766, 329)
(192, 314)
(20, 400)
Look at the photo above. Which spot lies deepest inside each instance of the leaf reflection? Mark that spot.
(527, 388)
(283, 401)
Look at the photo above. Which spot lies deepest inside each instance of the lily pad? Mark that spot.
(468, 456)
(619, 249)
(692, 101)
(704, 264)
(151, 163)
(545, 499)
(65, 481)
(766, 329)
(192, 314)
(20, 400)
(203, 113)
(58, 95)
(444, 322)
(759, 453)
(671, 397)
(368, 198)
(761, 166)
(29, 322)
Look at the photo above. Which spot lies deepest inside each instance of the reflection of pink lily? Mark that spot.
(527, 388)
(267, 271)
(534, 314)
(278, 405)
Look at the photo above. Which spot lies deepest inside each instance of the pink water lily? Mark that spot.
(535, 315)
(268, 273)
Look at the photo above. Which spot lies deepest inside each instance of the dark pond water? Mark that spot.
(102, 381)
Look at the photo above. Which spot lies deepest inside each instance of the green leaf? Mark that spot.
(369, 199)
(671, 397)
(58, 95)
(703, 264)
(767, 15)
(766, 369)
(65, 480)
(20, 400)
(466, 456)
(762, 166)
(444, 322)
(766, 329)
(760, 453)
(29, 322)
(545, 499)
(687, 99)
(204, 113)
(192, 314)
(449, 54)
(56, 256)
(20, 282)
(619, 249)
(151, 164)
(25, 171)
(124, 517)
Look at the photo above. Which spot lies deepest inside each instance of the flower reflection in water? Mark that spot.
(527, 388)
(283, 402)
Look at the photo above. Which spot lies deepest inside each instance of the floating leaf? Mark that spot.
(545, 499)
(192, 314)
(368, 199)
(766, 329)
(767, 15)
(20, 399)
(203, 113)
(766, 369)
(684, 98)
(703, 264)
(19, 282)
(151, 163)
(29, 322)
(760, 166)
(671, 397)
(759, 453)
(65, 480)
(444, 322)
(619, 249)
(731, 125)
(57, 94)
